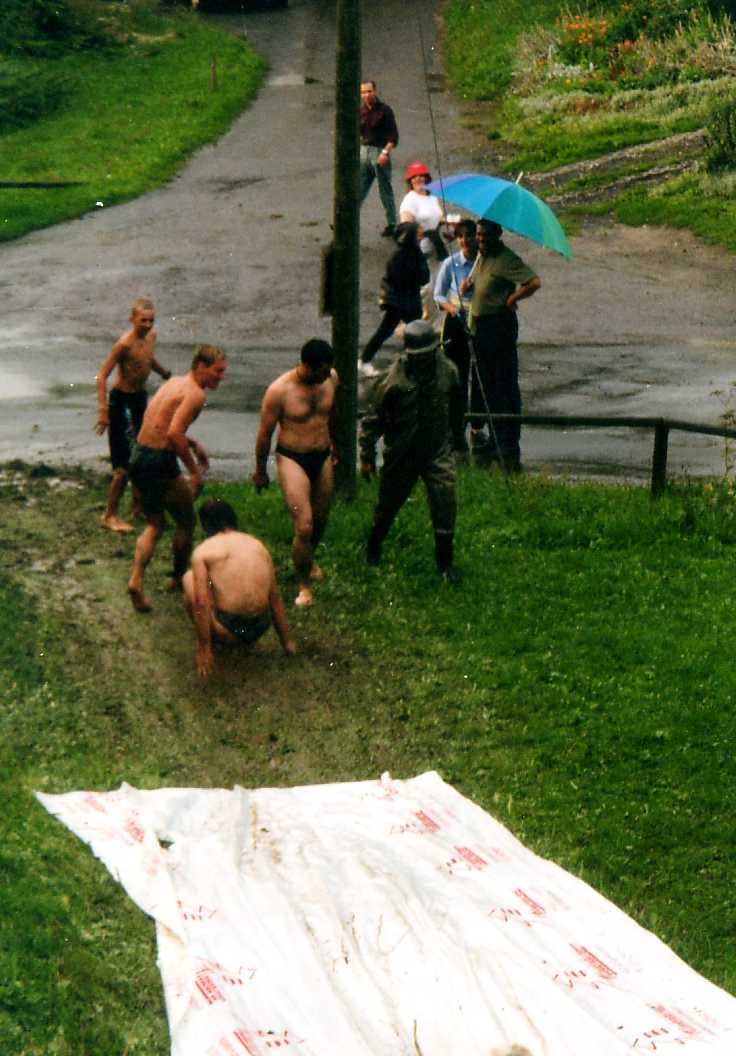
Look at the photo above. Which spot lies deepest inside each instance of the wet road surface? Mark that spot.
(640, 323)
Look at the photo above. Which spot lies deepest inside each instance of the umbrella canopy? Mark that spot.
(505, 202)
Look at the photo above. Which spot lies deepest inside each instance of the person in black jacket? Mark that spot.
(406, 272)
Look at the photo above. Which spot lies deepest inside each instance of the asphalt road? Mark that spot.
(640, 323)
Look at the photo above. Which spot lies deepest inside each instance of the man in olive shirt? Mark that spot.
(500, 279)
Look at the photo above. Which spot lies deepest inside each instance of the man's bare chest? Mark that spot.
(306, 402)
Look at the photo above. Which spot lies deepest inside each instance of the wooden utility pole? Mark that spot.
(345, 281)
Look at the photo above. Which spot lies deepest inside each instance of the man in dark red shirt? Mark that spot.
(378, 137)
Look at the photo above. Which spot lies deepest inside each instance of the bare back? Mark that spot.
(302, 411)
(180, 394)
(240, 571)
(135, 357)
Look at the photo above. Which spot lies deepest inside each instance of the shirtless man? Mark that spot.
(155, 471)
(132, 358)
(230, 591)
(301, 403)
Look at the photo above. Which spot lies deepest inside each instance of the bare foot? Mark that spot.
(114, 524)
(138, 599)
(316, 572)
(304, 598)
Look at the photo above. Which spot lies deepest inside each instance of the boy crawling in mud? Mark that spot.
(133, 358)
(230, 591)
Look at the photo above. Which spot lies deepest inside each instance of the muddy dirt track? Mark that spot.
(640, 323)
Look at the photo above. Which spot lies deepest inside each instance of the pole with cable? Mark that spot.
(345, 287)
(474, 373)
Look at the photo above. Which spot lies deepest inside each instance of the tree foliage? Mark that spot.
(46, 28)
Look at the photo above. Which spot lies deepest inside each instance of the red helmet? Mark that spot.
(417, 169)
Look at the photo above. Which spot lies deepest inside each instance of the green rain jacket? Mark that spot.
(420, 420)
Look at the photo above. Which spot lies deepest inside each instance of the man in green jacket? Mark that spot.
(417, 408)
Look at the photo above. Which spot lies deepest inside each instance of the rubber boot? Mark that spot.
(444, 549)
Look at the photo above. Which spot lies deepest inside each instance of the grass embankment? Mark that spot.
(118, 118)
(580, 686)
(577, 82)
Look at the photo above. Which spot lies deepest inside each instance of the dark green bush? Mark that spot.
(28, 93)
(721, 136)
(657, 19)
(51, 27)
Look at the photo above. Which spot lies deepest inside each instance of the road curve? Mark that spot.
(639, 323)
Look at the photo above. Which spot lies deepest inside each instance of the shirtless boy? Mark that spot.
(132, 358)
(155, 471)
(301, 403)
(230, 591)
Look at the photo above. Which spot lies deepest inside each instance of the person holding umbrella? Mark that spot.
(498, 282)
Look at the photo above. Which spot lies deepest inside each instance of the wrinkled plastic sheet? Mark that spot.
(384, 917)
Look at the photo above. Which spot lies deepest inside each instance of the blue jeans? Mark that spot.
(370, 170)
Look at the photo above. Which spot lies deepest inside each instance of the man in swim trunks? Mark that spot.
(230, 591)
(301, 403)
(154, 466)
(132, 358)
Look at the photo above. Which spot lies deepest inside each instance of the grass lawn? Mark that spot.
(129, 118)
(579, 686)
(495, 50)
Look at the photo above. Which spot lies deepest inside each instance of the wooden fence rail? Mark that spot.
(661, 426)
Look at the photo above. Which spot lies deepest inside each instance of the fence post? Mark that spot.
(659, 459)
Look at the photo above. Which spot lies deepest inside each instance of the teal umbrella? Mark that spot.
(509, 204)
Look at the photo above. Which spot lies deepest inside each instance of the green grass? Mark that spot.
(490, 49)
(580, 686)
(129, 118)
(480, 39)
(702, 204)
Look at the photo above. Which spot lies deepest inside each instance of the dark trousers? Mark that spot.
(391, 319)
(397, 483)
(456, 346)
(498, 367)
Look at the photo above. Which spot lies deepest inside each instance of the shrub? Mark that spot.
(721, 135)
(51, 27)
(27, 93)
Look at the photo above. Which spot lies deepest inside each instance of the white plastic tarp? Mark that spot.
(384, 918)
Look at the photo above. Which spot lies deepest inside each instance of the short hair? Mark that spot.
(465, 229)
(317, 353)
(216, 515)
(367, 80)
(141, 304)
(491, 227)
(207, 354)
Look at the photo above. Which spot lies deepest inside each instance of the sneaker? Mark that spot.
(388, 231)
(366, 370)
